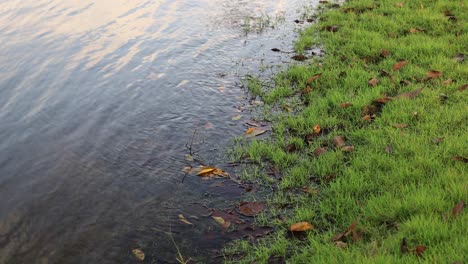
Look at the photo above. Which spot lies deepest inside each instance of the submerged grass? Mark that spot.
(399, 182)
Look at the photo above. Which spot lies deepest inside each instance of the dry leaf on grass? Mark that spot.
(345, 105)
(313, 78)
(250, 208)
(373, 82)
(400, 65)
(301, 227)
(254, 131)
(457, 209)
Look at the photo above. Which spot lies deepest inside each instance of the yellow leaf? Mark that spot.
(222, 222)
(139, 255)
(301, 226)
(184, 220)
(317, 129)
(237, 117)
(207, 171)
(250, 130)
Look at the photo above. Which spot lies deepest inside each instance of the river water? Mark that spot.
(97, 102)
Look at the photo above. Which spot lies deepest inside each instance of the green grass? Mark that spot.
(398, 182)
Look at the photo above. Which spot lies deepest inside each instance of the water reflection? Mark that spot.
(97, 101)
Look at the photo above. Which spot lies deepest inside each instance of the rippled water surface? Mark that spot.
(97, 102)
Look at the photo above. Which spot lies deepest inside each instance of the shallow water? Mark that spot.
(97, 102)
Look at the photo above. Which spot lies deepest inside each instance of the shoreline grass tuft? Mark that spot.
(390, 156)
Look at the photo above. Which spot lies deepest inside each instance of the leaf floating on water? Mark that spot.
(275, 50)
(457, 209)
(254, 131)
(237, 117)
(400, 65)
(221, 221)
(206, 171)
(313, 78)
(139, 254)
(250, 208)
(301, 227)
(184, 220)
(182, 83)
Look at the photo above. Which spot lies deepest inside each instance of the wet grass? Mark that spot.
(407, 169)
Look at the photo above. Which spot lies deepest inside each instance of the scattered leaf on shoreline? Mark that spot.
(254, 131)
(184, 220)
(313, 78)
(339, 141)
(400, 65)
(301, 227)
(299, 57)
(139, 254)
(373, 82)
(345, 105)
(250, 208)
(457, 209)
(237, 117)
(221, 221)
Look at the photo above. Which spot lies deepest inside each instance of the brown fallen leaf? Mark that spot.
(389, 149)
(434, 74)
(419, 250)
(457, 209)
(299, 57)
(333, 28)
(301, 227)
(184, 220)
(347, 149)
(416, 30)
(319, 151)
(446, 82)
(255, 131)
(400, 125)
(384, 53)
(317, 129)
(367, 118)
(410, 95)
(306, 90)
(345, 105)
(341, 244)
(373, 82)
(207, 171)
(339, 141)
(313, 78)
(400, 65)
(291, 148)
(400, 4)
(460, 158)
(463, 87)
(348, 231)
(138, 254)
(382, 100)
(250, 208)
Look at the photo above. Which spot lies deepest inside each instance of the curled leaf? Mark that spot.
(317, 129)
(301, 227)
(139, 254)
(313, 78)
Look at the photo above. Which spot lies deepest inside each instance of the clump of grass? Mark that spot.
(399, 182)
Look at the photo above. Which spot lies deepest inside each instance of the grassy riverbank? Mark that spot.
(365, 144)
